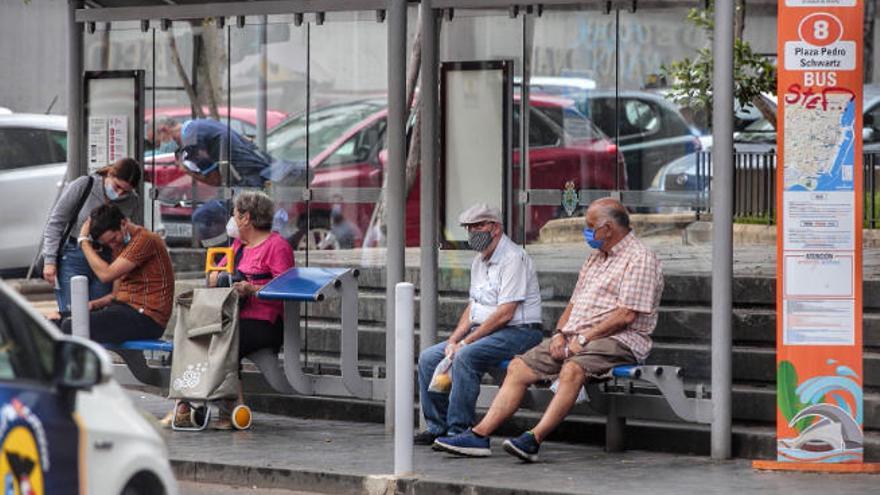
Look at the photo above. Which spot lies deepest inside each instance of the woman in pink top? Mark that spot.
(261, 255)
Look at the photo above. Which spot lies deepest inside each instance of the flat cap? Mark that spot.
(480, 212)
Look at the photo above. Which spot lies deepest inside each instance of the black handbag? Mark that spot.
(40, 262)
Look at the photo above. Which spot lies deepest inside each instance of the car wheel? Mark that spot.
(316, 235)
(144, 483)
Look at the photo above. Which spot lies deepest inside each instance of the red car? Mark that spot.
(347, 160)
(242, 120)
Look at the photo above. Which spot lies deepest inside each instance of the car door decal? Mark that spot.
(39, 445)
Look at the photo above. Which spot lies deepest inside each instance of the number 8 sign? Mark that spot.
(820, 29)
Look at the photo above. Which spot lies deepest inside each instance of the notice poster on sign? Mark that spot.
(818, 322)
(818, 274)
(107, 140)
(818, 220)
(819, 236)
(97, 145)
(117, 138)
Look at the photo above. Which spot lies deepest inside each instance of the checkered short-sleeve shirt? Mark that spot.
(630, 276)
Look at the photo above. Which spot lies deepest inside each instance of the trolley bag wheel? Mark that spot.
(190, 417)
(241, 417)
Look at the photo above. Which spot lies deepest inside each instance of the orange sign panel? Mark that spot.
(819, 222)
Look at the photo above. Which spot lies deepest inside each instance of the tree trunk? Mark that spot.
(766, 109)
(739, 20)
(212, 59)
(209, 57)
(184, 79)
(378, 219)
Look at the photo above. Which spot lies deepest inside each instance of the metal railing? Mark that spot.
(754, 186)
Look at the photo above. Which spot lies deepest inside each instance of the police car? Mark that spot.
(66, 426)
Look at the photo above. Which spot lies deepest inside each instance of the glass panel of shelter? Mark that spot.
(124, 46)
(608, 64)
(656, 132)
(483, 35)
(285, 96)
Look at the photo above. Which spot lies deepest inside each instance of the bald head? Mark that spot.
(609, 221)
(608, 210)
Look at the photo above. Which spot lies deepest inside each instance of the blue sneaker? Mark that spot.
(524, 446)
(465, 443)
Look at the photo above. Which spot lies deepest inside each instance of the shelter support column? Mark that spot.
(75, 67)
(396, 170)
(429, 204)
(722, 230)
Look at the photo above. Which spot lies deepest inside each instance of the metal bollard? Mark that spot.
(403, 378)
(79, 306)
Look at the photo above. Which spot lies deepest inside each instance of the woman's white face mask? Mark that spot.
(232, 228)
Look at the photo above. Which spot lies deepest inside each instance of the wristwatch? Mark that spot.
(582, 341)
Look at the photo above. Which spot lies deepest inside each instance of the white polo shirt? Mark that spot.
(507, 276)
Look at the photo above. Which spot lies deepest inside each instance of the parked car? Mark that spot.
(346, 148)
(759, 138)
(33, 162)
(649, 129)
(65, 417)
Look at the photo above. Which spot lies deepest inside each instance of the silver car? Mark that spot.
(33, 161)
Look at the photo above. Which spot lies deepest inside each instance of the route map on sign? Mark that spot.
(819, 149)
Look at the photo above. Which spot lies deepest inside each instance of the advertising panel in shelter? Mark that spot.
(819, 236)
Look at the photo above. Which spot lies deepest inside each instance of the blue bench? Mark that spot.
(132, 353)
(301, 285)
(629, 391)
(292, 287)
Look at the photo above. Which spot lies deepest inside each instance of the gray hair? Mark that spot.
(260, 207)
(611, 210)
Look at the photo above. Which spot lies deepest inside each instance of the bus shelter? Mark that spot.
(354, 100)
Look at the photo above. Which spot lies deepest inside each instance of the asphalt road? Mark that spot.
(192, 488)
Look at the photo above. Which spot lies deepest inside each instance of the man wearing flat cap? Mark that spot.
(607, 323)
(502, 319)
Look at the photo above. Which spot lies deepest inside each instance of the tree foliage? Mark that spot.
(691, 79)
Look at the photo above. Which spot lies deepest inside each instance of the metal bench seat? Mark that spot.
(667, 399)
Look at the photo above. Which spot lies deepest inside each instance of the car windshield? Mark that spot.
(572, 123)
(759, 131)
(288, 140)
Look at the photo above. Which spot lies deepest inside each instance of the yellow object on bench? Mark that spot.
(211, 260)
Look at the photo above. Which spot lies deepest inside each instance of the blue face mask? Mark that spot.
(111, 193)
(590, 237)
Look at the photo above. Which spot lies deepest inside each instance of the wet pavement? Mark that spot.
(349, 457)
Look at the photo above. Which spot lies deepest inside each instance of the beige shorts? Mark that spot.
(596, 358)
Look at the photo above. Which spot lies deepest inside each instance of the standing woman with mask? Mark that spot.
(114, 184)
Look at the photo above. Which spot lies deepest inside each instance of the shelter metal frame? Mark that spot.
(395, 14)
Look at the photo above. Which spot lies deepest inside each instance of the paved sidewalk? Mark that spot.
(348, 457)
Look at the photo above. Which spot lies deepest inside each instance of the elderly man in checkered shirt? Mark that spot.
(608, 322)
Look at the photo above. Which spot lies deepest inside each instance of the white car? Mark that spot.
(66, 426)
(33, 161)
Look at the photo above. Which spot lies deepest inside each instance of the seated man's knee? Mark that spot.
(518, 370)
(430, 357)
(572, 373)
(465, 355)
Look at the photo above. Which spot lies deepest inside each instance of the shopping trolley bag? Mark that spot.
(204, 366)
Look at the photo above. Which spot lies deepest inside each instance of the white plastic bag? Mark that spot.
(582, 394)
(441, 381)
